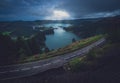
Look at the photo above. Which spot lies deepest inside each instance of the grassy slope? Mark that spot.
(74, 46)
(70, 48)
(93, 60)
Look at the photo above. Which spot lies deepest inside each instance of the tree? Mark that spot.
(47, 50)
(73, 40)
(34, 46)
(7, 49)
(37, 42)
(23, 47)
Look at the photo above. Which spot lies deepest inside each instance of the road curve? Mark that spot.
(28, 69)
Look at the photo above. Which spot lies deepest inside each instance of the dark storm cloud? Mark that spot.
(81, 7)
(38, 9)
(105, 5)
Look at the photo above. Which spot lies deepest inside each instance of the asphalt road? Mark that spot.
(32, 68)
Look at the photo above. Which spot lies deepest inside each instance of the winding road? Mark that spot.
(32, 68)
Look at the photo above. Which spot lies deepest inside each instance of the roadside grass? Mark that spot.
(91, 61)
(61, 51)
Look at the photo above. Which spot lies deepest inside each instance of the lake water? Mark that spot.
(60, 38)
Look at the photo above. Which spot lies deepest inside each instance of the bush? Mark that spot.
(92, 55)
(77, 64)
(113, 34)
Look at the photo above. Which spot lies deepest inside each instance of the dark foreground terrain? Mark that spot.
(109, 72)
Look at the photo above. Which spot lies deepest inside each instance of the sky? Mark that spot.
(57, 9)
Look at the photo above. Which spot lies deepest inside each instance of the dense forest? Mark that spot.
(99, 26)
(12, 49)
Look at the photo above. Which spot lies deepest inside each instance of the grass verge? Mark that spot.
(68, 49)
(93, 60)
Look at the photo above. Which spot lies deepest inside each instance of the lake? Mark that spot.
(60, 38)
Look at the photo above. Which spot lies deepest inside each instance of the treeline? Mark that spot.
(12, 49)
(110, 26)
(87, 29)
(49, 31)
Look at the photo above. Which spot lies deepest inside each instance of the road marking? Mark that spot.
(67, 58)
(14, 70)
(47, 64)
(25, 69)
(83, 51)
(74, 55)
(36, 67)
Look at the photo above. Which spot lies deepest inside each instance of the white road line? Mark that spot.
(36, 67)
(47, 64)
(66, 58)
(25, 69)
(82, 51)
(74, 55)
(14, 70)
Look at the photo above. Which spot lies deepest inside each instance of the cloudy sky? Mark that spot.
(43, 9)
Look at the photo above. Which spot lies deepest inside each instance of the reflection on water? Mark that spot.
(57, 25)
(60, 31)
(60, 38)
